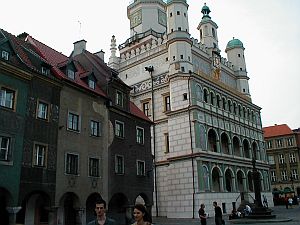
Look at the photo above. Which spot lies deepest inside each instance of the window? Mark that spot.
(7, 98)
(45, 71)
(213, 32)
(119, 98)
(139, 135)
(239, 55)
(281, 158)
(4, 148)
(273, 176)
(39, 155)
(4, 55)
(295, 174)
(140, 168)
(92, 84)
(95, 128)
(229, 106)
(271, 159)
(290, 142)
(279, 143)
(178, 12)
(283, 175)
(205, 173)
(72, 163)
(71, 74)
(119, 129)
(269, 144)
(292, 157)
(179, 28)
(146, 108)
(94, 167)
(181, 56)
(119, 164)
(171, 14)
(73, 122)
(167, 147)
(224, 103)
(42, 110)
(205, 96)
(167, 103)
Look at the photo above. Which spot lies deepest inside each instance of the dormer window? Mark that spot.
(4, 55)
(92, 84)
(119, 98)
(71, 74)
(45, 71)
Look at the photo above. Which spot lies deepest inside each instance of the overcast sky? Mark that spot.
(269, 30)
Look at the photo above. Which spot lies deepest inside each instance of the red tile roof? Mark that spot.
(277, 130)
(57, 59)
(137, 112)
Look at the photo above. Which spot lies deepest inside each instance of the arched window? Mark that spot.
(218, 101)
(250, 181)
(229, 106)
(205, 174)
(212, 141)
(216, 183)
(234, 108)
(225, 143)
(236, 146)
(255, 151)
(246, 148)
(228, 180)
(205, 95)
(240, 178)
(212, 98)
(224, 103)
(213, 32)
(199, 93)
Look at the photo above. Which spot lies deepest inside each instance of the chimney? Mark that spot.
(79, 47)
(100, 54)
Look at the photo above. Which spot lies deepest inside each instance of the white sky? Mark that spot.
(269, 30)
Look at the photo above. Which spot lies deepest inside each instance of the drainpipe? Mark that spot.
(150, 69)
(191, 139)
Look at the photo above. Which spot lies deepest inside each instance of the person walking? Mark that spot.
(218, 214)
(100, 210)
(141, 215)
(202, 214)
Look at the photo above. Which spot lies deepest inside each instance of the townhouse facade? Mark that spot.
(282, 145)
(61, 140)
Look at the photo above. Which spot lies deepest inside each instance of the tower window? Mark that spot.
(181, 56)
(213, 32)
(179, 28)
(239, 55)
(182, 69)
(185, 96)
(189, 58)
(167, 59)
(184, 14)
(178, 13)
(174, 58)
(215, 45)
(171, 30)
(244, 90)
(241, 69)
(171, 14)
(200, 34)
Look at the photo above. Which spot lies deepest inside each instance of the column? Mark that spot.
(52, 220)
(80, 216)
(12, 211)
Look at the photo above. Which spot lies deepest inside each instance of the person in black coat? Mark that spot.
(202, 214)
(218, 214)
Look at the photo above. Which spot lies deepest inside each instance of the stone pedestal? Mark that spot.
(12, 211)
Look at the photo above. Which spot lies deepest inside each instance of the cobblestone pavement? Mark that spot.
(280, 211)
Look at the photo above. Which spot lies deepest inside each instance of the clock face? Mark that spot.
(136, 18)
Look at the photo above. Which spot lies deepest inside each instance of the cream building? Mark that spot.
(206, 128)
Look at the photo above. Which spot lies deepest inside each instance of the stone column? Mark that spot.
(12, 211)
(81, 216)
(52, 216)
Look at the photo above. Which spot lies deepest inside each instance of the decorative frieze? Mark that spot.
(147, 84)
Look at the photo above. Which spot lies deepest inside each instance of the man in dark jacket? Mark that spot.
(218, 214)
(100, 208)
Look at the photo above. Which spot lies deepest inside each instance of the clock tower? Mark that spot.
(145, 15)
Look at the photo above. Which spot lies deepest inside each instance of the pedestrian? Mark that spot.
(218, 214)
(202, 214)
(286, 201)
(141, 215)
(100, 210)
(290, 200)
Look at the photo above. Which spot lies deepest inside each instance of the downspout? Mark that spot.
(150, 69)
(191, 140)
